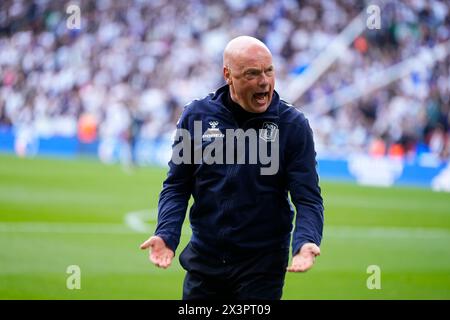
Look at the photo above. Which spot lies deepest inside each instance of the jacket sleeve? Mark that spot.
(303, 184)
(175, 194)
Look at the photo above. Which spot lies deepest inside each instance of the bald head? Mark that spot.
(242, 48)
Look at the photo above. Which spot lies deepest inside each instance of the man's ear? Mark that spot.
(227, 75)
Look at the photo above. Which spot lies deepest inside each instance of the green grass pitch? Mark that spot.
(56, 213)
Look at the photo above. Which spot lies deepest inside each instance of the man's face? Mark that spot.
(251, 77)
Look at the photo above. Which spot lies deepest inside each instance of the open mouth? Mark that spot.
(261, 97)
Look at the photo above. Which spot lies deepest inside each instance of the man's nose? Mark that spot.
(263, 80)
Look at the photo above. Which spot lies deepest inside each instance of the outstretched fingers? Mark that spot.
(301, 265)
(161, 259)
(159, 254)
(304, 260)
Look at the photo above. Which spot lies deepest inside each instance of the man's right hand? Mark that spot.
(159, 253)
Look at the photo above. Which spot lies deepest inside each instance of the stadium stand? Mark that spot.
(133, 65)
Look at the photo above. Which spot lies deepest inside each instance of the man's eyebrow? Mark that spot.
(252, 69)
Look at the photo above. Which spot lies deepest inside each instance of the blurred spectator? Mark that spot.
(87, 128)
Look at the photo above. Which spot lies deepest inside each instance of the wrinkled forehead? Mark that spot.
(251, 57)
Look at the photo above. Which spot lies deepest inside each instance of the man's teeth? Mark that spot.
(261, 98)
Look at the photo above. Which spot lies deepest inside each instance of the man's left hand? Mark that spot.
(304, 260)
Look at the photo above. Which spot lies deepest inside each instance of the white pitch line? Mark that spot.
(135, 220)
(65, 228)
(357, 232)
(144, 221)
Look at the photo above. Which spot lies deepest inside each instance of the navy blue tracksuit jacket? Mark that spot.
(236, 209)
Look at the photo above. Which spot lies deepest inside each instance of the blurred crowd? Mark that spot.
(132, 66)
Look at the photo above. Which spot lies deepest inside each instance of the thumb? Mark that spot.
(148, 243)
